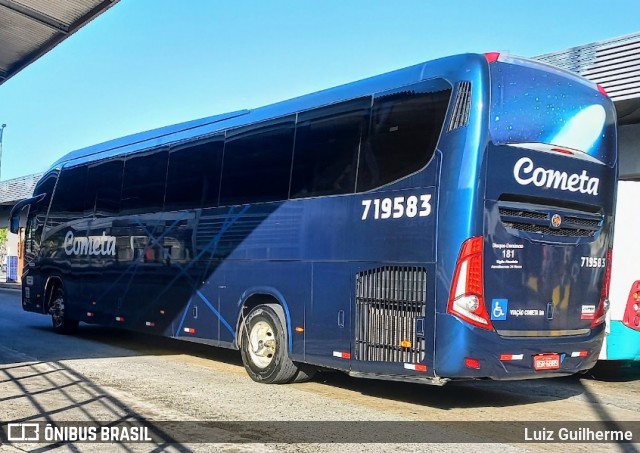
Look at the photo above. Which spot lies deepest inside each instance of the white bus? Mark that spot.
(622, 340)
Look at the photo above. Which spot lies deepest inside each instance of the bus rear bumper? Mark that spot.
(467, 352)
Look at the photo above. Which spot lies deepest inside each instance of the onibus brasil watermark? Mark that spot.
(35, 432)
(361, 432)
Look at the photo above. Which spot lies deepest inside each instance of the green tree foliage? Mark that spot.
(3, 236)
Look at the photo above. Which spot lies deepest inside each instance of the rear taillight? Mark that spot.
(562, 150)
(603, 305)
(466, 299)
(631, 316)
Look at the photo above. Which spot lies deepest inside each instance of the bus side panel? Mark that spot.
(153, 275)
(62, 268)
(623, 342)
(147, 279)
(287, 282)
(198, 315)
(328, 321)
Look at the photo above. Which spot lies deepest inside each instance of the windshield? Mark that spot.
(534, 103)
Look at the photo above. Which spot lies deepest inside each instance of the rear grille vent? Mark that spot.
(523, 214)
(536, 219)
(589, 223)
(462, 106)
(390, 310)
(538, 229)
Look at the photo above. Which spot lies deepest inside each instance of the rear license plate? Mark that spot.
(546, 362)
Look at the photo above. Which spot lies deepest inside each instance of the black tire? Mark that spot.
(264, 346)
(59, 318)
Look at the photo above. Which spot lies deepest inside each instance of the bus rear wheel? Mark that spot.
(59, 318)
(264, 347)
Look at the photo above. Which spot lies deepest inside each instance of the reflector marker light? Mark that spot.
(94, 303)
(149, 324)
(492, 56)
(580, 354)
(508, 357)
(90, 314)
(415, 367)
(119, 318)
(299, 329)
(342, 355)
(162, 312)
(472, 363)
(603, 91)
(603, 305)
(406, 343)
(189, 330)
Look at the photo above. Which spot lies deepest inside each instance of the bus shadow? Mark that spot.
(94, 341)
(103, 342)
(462, 394)
(616, 371)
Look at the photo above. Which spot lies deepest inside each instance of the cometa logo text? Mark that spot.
(526, 173)
(89, 245)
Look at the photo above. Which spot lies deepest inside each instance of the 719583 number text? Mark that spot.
(397, 207)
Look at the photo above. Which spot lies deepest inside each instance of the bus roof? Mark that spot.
(447, 67)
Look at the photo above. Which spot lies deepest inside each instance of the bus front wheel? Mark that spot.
(59, 318)
(264, 347)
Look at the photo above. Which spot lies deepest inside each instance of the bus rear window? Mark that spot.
(530, 105)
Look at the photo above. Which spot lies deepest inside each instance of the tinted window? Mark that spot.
(405, 127)
(104, 187)
(257, 163)
(144, 181)
(326, 149)
(70, 196)
(193, 180)
(37, 214)
(532, 103)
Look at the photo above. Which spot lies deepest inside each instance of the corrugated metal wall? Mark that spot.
(614, 64)
(30, 28)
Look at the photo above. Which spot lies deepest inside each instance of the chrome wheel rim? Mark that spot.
(57, 311)
(262, 344)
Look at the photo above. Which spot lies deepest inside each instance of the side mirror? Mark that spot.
(14, 224)
(14, 216)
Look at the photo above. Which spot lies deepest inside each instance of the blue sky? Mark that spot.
(149, 63)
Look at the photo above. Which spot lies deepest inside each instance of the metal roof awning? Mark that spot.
(31, 28)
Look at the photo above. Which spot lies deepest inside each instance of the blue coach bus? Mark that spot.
(450, 220)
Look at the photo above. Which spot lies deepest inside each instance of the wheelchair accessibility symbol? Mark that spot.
(499, 309)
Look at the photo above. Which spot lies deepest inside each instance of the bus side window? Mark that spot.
(257, 162)
(104, 187)
(37, 215)
(193, 179)
(406, 123)
(326, 150)
(144, 181)
(69, 198)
